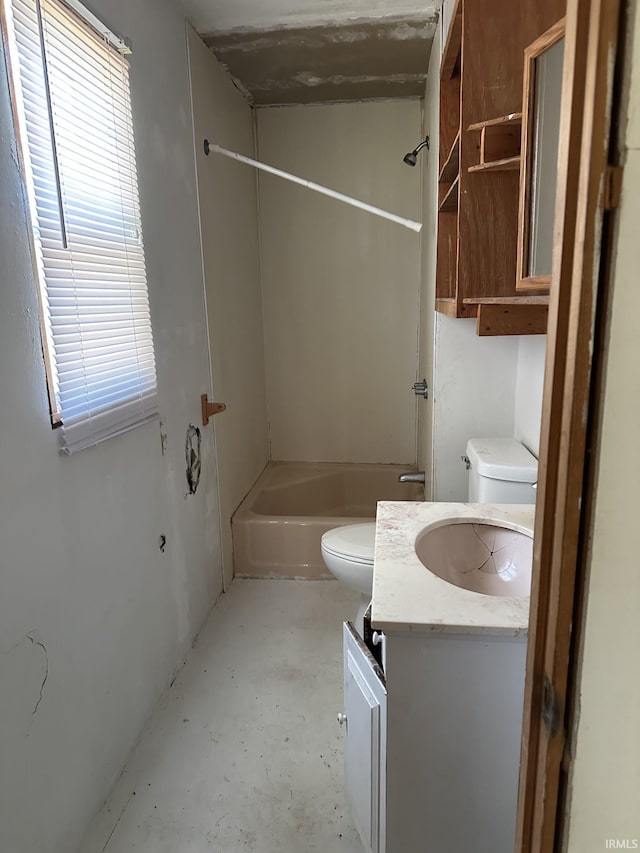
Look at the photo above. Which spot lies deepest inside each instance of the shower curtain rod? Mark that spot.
(377, 211)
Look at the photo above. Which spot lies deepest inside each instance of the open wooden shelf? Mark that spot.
(501, 121)
(507, 300)
(511, 315)
(451, 167)
(507, 164)
(449, 203)
(499, 143)
(480, 132)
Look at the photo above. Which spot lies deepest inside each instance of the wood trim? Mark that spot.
(535, 282)
(613, 188)
(507, 300)
(499, 318)
(591, 36)
(447, 306)
(544, 42)
(507, 164)
(502, 121)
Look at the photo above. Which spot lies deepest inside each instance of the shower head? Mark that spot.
(412, 157)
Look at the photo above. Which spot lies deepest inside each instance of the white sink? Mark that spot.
(477, 556)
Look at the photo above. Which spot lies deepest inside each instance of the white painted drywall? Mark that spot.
(529, 387)
(474, 392)
(210, 15)
(429, 165)
(82, 575)
(229, 223)
(604, 797)
(340, 286)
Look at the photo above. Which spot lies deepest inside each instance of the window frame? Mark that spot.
(94, 29)
(20, 148)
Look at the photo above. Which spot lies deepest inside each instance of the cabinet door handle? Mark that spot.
(342, 719)
(377, 638)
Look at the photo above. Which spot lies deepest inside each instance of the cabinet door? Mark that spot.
(365, 701)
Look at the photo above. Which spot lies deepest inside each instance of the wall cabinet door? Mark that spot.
(365, 705)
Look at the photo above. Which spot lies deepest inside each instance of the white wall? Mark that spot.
(81, 570)
(474, 393)
(340, 286)
(429, 165)
(229, 222)
(529, 387)
(604, 798)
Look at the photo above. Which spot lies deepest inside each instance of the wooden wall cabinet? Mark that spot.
(481, 79)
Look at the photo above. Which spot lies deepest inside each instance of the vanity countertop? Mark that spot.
(408, 597)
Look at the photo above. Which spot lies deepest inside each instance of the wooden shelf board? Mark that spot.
(453, 44)
(449, 203)
(514, 317)
(507, 164)
(503, 121)
(507, 300)
(451, 167)
(447, 306)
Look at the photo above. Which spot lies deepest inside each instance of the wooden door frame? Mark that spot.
(566, 467)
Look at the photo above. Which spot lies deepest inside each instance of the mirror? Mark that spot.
(538, 176)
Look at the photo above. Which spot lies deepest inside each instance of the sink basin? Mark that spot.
(484, 558)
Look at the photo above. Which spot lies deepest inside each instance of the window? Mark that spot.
(72, 107)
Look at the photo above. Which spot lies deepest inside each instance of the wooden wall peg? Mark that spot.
(210, 409)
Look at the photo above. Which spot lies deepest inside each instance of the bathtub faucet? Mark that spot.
(411, 477)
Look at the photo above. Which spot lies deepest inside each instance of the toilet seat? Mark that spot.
(347, 558)
(354, 543)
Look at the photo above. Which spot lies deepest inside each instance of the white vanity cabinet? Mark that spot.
(365, 716)
(433, 745)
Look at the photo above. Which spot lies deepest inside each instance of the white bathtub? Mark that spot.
(278, 526)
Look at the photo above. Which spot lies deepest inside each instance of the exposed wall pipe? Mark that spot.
(354, 202)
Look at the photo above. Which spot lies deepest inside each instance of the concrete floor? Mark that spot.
(243, 752)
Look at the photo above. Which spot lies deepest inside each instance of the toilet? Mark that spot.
(348, 554)
(500, 471)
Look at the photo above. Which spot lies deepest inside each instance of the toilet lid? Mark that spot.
(355, 541)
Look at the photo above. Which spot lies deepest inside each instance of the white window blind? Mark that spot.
(74, 111)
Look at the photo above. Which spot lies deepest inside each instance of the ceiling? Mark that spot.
(312, 51)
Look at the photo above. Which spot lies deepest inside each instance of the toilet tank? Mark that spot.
(501, 471)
